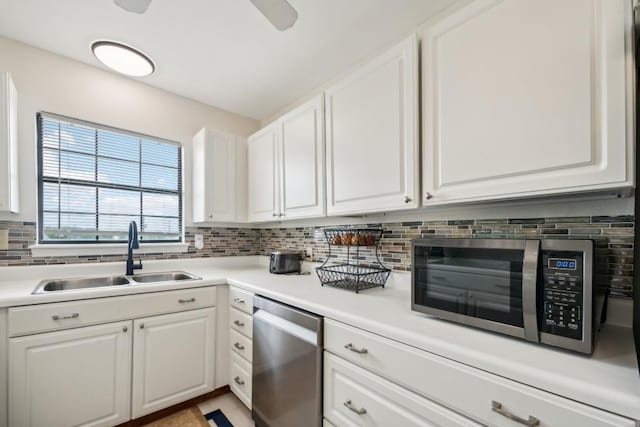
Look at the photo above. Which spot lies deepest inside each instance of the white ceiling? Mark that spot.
(224, 52)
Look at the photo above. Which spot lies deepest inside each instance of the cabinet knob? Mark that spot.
(210, 215)
(238, 381)
(141, 325)
(125, 329)
(407, 199)
(238, 346)
(274, 215)
(428, 196)
(238, 323)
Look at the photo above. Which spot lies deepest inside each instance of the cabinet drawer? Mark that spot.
(240, 299)
(241, 322)
(355, 397)
(242, 345)
(72, 314)
(457, 386)
(241, 379)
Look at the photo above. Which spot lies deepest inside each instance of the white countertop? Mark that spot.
(609, 379)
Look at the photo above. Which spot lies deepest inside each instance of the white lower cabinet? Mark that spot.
(241, 343)
(355, 397)
(173, 359)
(241, 372)
(76, 377)
(102, 375)
(481, 396)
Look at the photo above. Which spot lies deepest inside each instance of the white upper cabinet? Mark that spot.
(8, 145)
(301, 154)
(263, 200)
(372, 135)
(527, 97)
(219, 182)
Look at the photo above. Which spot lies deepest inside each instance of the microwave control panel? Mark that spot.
(562, 296)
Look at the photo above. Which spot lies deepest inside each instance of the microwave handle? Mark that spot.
(529, 289)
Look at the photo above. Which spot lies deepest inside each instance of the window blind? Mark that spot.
(93, 180)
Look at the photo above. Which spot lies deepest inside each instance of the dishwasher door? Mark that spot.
(287, 366)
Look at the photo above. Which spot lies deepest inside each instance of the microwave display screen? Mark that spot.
(561, 264)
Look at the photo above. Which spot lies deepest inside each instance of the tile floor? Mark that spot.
(232, 407)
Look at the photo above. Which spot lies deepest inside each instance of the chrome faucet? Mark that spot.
(132, 243)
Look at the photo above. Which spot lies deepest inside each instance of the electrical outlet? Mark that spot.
(198, 241)
(4, 240)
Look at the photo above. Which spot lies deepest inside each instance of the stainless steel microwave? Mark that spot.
(543, 291)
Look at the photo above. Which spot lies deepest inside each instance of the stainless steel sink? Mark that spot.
(167, 276)
(57, 285)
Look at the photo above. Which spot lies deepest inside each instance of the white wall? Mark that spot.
(48, 82)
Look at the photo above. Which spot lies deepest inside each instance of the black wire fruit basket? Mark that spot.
(355, 274)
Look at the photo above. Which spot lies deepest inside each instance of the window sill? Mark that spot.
(64, 249)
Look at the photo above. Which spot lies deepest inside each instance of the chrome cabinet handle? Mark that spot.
(73, 316)
(356, 350)
(428, 196)
(529, 422)
(238, 346)
(238, 381)
(407, 199)
(350, 406)
(184, 301)
(238, 323)
(238, 300)
(125, 329)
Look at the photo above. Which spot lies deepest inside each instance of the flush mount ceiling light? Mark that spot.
(122, 58)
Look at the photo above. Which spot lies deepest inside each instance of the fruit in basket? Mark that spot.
(355, 240)
(347, 239)
(369, 239)
(336, 240)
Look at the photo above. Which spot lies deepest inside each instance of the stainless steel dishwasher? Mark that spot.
(287, 365)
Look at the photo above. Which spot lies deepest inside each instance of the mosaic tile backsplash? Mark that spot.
(217, 242)
(395, 245)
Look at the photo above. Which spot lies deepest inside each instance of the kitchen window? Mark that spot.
(94, 180)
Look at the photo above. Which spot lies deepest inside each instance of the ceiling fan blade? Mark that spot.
(279, 12)
(135, 6)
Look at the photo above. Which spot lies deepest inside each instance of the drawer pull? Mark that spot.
(125, 329)
(530, 422)
(350, 406)
(356, 350)
(238, 381)
(238, 323)
(238, 300)
(73, 316)
(184, 301)
(238, 346)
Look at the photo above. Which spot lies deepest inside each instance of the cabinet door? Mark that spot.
(301, 143)
(77, 377)
(372, 135)
(214, 186)
(8, 144)
(263, 201)
(524, 98)
(173, 359)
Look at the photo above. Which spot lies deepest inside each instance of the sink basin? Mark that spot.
(168, 276)
(57, 285)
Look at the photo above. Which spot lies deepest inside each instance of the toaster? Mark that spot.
(285, 261)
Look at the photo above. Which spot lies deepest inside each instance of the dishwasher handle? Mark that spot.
(301, 323)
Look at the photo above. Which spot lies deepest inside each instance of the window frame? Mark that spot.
(42, 179)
